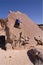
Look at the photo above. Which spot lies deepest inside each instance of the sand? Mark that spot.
(14, 57)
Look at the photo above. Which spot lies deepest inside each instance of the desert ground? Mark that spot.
(18, 57)
(14, 57)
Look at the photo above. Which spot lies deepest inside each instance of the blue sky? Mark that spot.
(33, 8)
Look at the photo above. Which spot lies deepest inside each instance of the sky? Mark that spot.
(33, 8)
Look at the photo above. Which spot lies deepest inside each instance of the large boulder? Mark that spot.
(27, 27)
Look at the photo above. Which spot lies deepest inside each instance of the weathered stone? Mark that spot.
(26, 26)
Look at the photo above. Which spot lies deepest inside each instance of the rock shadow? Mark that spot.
(2, 42)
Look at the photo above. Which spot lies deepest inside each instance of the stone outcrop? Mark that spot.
(28, 28)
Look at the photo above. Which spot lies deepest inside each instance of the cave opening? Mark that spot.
(2, 42)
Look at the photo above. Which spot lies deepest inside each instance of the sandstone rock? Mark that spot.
(27, 27)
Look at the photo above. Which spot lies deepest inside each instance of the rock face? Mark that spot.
(19, 33)
(27, 27)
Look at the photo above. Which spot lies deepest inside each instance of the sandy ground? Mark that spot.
(14, 57)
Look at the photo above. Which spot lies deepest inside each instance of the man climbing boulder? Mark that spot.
(17, 23)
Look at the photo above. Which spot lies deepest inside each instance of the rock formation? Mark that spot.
(13, 29)
(19, 32)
